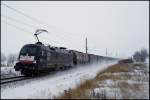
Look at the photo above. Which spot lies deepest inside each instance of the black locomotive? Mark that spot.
(37, 58)
(34, 58)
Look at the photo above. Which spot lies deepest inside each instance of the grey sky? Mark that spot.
(119, 26)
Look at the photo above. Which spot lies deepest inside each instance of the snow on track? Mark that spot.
(8, 72)
(53, 85)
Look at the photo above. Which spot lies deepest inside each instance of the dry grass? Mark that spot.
(115, 69)
(79, 92)
(108, 73)
(139, 64)
(128, 90)
(82, 90)
(103, 77)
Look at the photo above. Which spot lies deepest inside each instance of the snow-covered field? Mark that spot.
(130, 85)
(54, 84)
(147, 60)
(8, 72)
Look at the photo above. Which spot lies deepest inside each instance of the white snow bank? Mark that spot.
(147, 60)
(8, 71)
(54, 84)
(134, 86)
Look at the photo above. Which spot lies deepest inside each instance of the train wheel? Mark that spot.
(65, 67)
(69, 66)
(36, 73)
(23, 72)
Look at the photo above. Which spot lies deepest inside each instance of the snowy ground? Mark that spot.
(52, 85)
(130, 85)
(147, 61)
(8, 72)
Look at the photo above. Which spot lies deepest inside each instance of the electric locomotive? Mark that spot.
(36, 58)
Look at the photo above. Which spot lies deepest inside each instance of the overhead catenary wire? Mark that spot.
(34, 19)
(21, 22)
(22, 13)
(21, 29)
(26, 31)
(16, 27)
(63, 37)
(26, 15)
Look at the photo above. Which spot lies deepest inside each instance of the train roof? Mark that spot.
(50, 48)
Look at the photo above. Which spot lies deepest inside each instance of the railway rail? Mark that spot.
(13, 79)
(19, 78)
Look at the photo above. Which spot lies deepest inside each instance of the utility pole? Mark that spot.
(116, 54)
(106, 51)
(86, 45)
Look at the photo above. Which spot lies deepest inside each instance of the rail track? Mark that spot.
(13, 79)
(19, 78)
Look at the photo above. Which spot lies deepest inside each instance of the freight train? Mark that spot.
(37, 58)
(128, 60)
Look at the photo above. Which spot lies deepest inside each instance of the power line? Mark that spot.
(26, 15)
(34, 19)
(18, 21)
(21, 29)
(16, 27)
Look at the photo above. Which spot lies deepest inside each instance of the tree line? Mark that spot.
(9, 60)
(141, 55)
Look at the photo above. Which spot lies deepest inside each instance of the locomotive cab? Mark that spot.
(29, 58)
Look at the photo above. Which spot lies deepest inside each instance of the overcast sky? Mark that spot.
(120, 26)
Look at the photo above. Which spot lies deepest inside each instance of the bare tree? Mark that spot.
(140, 55)
(144, 54)
(11, 59)
(3, 59)
(137, 56)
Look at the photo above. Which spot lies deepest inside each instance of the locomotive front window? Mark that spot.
(30, 50)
